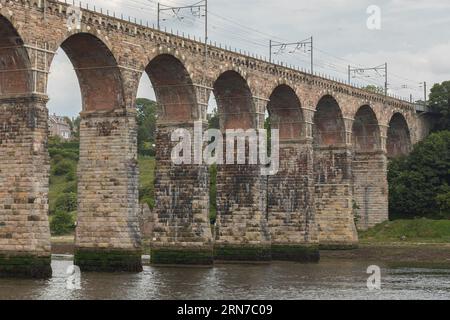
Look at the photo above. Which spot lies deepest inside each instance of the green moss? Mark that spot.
(185, 256)
(242, 253)
(108, 260)
(295, 253)
(26, 266)
(338, 246)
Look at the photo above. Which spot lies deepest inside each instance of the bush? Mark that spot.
(66, 202)
(63, 167)
(418, 184)
(146, 195)
(71, 187)
(62, 223)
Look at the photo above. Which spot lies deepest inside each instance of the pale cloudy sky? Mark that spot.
(414, 38)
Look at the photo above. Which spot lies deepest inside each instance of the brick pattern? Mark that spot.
(333, 197)
(370, 188)
(24, 174)
(291, 211)
(108, 183)
(182, 199)
(241, 206)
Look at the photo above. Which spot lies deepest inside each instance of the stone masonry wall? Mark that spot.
(241, 230)
(24, 174)
(370, 188)
(333, 197)
(182, 232)
(108, 191)
(291, 211)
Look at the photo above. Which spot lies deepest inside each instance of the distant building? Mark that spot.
(59, 127)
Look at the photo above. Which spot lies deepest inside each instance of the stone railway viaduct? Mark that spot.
(335, 142)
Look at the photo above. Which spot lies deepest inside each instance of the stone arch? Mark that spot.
(329, 126)
(97, 70)
(15, 67)
(366, 131)
(285, 112)
(235, 101)
(173, 88)
(398, 137)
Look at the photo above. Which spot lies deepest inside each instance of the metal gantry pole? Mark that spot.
(386, 79)
(159, 8)
(425, 93)
(270, 51)
(312, 56)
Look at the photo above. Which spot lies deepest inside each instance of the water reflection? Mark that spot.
(331, 279)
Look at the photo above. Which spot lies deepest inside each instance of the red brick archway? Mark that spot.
(285, 112)
(15, 73)
(398, 138)
(234, 101)
(366, 131)
(329, 127)
(173, 88)
(97, 71)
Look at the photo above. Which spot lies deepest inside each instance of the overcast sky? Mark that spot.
(414, 39)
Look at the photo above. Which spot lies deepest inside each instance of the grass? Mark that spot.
(146, 180)
(408, 231)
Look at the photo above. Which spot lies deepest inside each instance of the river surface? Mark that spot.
(330, 279)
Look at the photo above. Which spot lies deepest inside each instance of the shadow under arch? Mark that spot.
(234, 101)
(398, 138)
(328, 127)
(97, 71)
(16, 76)
(285, 113)
(366, 134)
(174, 89)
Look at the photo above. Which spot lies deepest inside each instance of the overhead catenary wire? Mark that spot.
(257, 39)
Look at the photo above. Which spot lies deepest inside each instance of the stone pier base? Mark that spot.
(24, 173)
(201, 256)
(108, 260)
(182, 231)
(242, 253)
(334, 198)
(107, 234)
(291, 212)
(242, 233)
(25, 266)
(370, 189)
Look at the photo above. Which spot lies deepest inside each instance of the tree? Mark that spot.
(419, 183)
(440, 103)
(214, 120)
(76, 127)
(146, 120)
(374, 89)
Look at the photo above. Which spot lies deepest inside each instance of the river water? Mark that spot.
(330, 279)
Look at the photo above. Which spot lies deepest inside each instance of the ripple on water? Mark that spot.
(287, 281)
